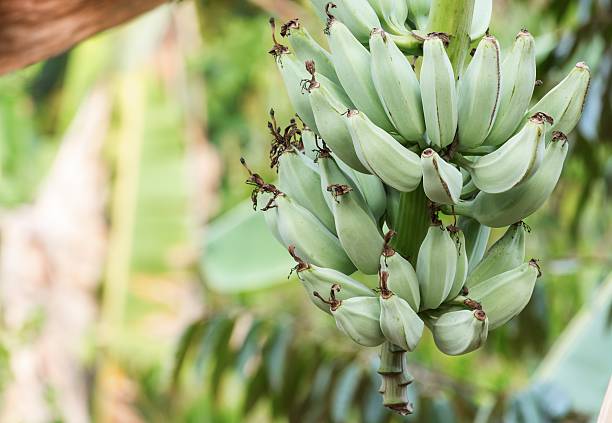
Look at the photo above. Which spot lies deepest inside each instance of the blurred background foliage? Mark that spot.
(196, 319)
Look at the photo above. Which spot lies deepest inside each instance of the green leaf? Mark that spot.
(217, 330)
(344, 392)
(183, 346)
(251, 346)
(275, 356)
(241, 254)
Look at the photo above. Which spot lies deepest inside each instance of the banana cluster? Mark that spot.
(377, 124)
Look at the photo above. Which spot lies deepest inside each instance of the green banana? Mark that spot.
(506, 208)
(397, 166)
(371, 189)
(442, 181)
(514, 161)
(438, 93)
(478, 94)
(399, 323)
(402, 279)
(517, 83)
(418, 12)
(481, 18)
(293, 74)
(309, 141)
(357, 317)
(306, 48)
(507, 253)
(319, 279)
(462, 262)
(328, 109)
(505, 295)
(393, 206)
(352, 63)
(564, 103)
(476, 239)
(332, 174)
(392, 13)
(357, 15)
(436, 266)
(459, 332)
(397, 86)
(299, 177)
(364, 245)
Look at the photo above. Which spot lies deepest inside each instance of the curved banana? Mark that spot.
(507, 253)
(436, 266)
(462, 263)
(505, 295)
(378, 151)
(438, 93)
(328, 110)
(442, 181)
(357, 15)
(333, 174)
(320, 279)
(309, 141)
(393, 14)
(299, 177)
(564, 103)
(481, 18)
(399, 323)
(402, 279)
(478, 94)
(364, 245)
(476, 239)
(306, 48)
(371, 188)
(459, 332)
(397, 86)
(313, 241)
(359, 319)
(515, 160)
(393, 206)
(352, 63)
(506, 208)
(418, 12)
(517, 83)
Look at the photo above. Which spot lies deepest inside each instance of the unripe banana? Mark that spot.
(506, 208)
(328, 109)
(402, 279)
(564, 103)
(393, 14)
(462, 262)
(293, 74)
(352, 63)
(298, 227)
(380, 153)
(357, 15)
(507, 253)
(515, 160)
(319, 279)
(517, 84)
(505, 295)
(393, 207)
(313, 241)
(357, 230)
(481, 18)
(309, 142)
(436, 266)
(478, 94)
(270, 216)
(371, 188)
(306, 48)
(359, 319)
(438, 93)
(418, 12)
(476, 239)
(399, 323)
(299, 178)
(332, 174)
(442, 181)
(459, 332)
(397, 86)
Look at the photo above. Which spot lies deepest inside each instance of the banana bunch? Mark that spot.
(382, 117)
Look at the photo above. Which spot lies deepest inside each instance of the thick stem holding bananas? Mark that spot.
(412, 223)
(453, 17)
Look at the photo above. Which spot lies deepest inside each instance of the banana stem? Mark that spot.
(453, 17)
(412, 223)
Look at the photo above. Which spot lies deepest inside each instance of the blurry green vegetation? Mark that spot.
(260, 351)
